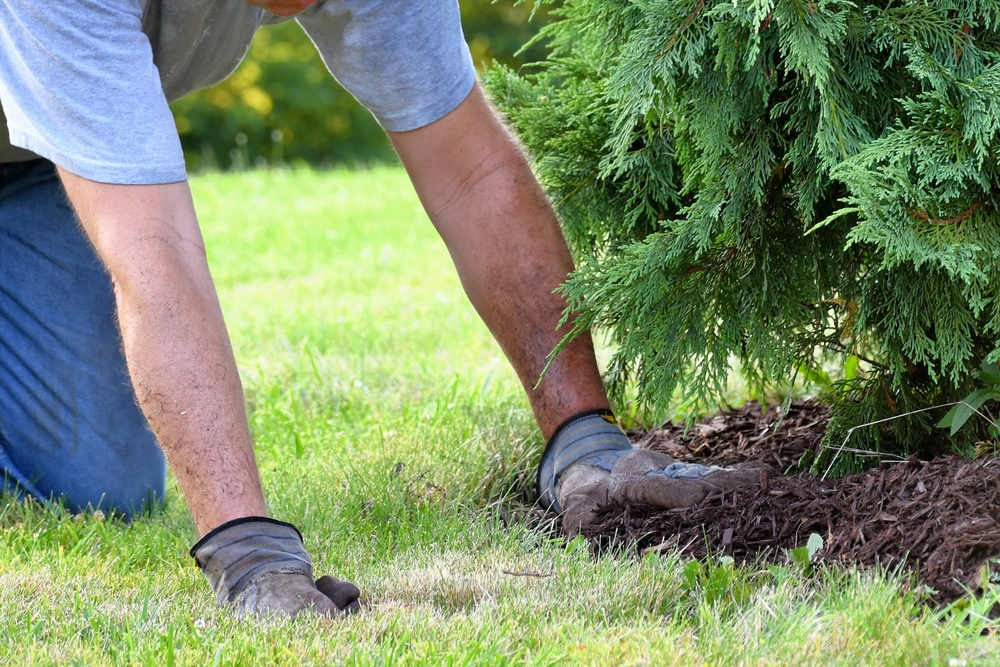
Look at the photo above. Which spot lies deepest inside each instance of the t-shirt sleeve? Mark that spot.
(79, 87)
(407, 62)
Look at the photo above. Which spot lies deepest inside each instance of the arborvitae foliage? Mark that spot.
(785, 183)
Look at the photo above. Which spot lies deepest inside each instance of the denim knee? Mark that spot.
(70, 427)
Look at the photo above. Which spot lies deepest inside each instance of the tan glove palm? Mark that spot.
(643, 477)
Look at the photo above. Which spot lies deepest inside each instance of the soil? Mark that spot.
(939, 519)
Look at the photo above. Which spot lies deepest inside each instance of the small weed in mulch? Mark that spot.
(939, 518)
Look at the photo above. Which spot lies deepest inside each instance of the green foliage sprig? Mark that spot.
(970, 405)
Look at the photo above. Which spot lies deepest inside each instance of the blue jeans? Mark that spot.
(70, 428)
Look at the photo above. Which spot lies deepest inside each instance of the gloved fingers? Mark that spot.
(345, 595)
(645, 462)
(649, 478)
(288, 595)
(658, 491)
(641, 477)
(744, 475)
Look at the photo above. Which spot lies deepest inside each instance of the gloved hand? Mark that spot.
(259, 566)
(589, 462)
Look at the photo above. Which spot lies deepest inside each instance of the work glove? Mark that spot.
(589, 462)
(260, 567)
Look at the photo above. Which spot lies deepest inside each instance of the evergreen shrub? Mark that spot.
(799, 186)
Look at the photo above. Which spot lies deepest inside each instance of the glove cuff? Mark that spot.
(583, 436)
(240, 552)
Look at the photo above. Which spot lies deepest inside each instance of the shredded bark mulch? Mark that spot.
(750, 433)
(940, 518)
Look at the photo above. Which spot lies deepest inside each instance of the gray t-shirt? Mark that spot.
(86, 84)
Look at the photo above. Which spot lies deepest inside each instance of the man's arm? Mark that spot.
(82, 91)
(476, 185)
(185, 377)
(178, 352)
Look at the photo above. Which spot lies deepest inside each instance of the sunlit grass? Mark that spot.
(389, 428)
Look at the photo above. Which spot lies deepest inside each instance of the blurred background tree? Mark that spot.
(282, 106)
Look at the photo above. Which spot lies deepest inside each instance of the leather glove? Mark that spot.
(259, 566)
(589, 462)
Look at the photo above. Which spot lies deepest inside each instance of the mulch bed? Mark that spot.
(939, 518)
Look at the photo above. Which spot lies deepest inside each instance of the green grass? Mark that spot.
(388, 426)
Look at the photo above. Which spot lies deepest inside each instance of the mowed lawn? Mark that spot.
(389, 428)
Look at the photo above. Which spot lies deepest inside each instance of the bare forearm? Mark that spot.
(176, 346)
(509, 251)
(510, 273)
(185, 378)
